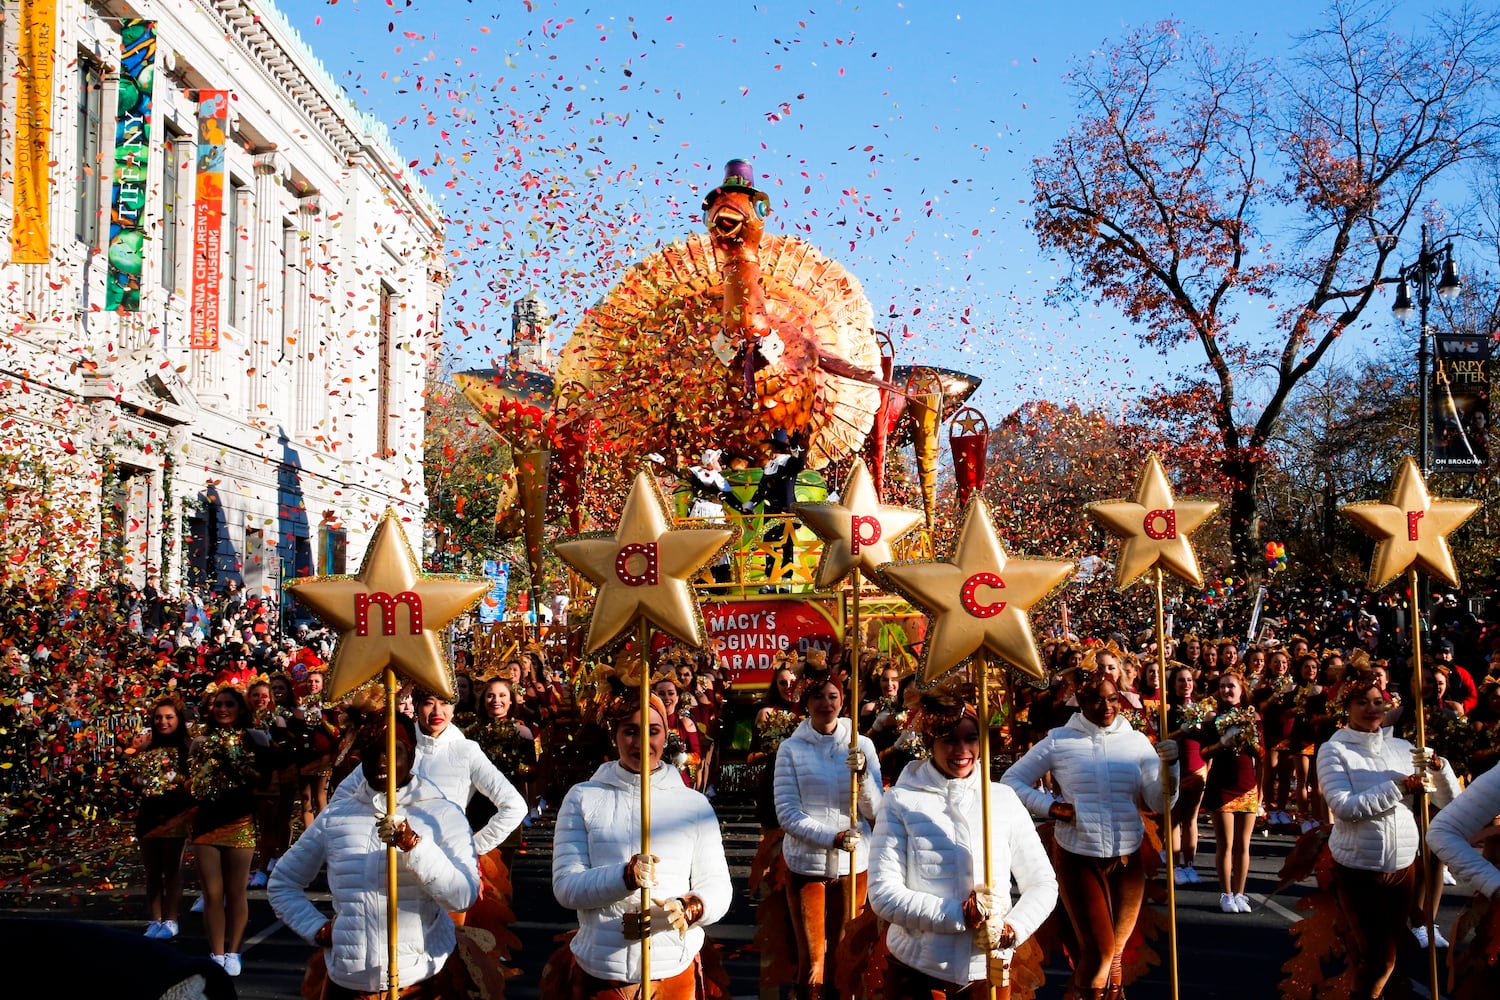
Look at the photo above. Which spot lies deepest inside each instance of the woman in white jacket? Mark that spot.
(1106, 772)
(457, 765)
(1367, 779)
(597, 870)
(927, 864)
(1453, 831)
(813, 768)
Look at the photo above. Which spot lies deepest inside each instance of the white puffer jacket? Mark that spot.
(1453, 831)
(1107, 774)
(459, 768)
(812, 799)
(440, 874)
(1359, 777)
(598, 831)
(927, 855)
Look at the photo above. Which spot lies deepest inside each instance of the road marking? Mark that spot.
(1290, 916)
(274, 926)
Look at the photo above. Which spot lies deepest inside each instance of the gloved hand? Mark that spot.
(997, 968)
(992, 935)
(663, 914)
(394, 830)
(847, 840)
(640, 871)
(1424, 759)
(1063, 812)
(324, 937)
(856, 761)
(1166, 751)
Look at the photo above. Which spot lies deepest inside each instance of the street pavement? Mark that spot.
(1220, 955)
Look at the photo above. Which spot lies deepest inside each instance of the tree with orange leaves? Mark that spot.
(1257, 207)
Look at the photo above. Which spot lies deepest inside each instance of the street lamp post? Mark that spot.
(1432, 271)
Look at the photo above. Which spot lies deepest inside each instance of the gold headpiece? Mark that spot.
(936, 710)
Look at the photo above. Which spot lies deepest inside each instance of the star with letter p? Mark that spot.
(1410, 528)
(858, 532)
(644, 569)
(1155, 528)
(978, 599)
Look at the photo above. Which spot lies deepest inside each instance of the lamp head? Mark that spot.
(1403, 307)
(1449, 285)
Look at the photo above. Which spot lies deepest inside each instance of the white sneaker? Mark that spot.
(198, 905)
(257, 880)
(1242, 901)
(218, 960)
(154, 930)
(1180, 876)
(168, 929)
(1420, 933)
(1438, 939)
(1448, 878)
(1227, 903)
(1192, 875)
(232, 963)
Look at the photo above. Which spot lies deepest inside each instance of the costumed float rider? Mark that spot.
(711, 495)
(597, 868)
(438, 872)
(775, 495)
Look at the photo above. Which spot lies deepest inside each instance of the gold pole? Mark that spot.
(392, 973)
(646, 804)
(1166, 790)
(981, 664)
(1424, 805)
(851, 891)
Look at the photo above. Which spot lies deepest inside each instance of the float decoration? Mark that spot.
(924, 411)
(969, 441)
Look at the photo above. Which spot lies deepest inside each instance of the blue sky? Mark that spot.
(567, 140)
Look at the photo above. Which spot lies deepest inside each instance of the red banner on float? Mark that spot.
(208, 220)
(749, 634)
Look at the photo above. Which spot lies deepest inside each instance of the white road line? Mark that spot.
(1291, 916)
(275, 926)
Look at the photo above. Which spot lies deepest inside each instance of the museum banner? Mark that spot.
(208, 220)
(30, 233)
(1461, 403)
(127, 206)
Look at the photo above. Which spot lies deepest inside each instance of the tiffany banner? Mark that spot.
(127, 207)
(1461, 404)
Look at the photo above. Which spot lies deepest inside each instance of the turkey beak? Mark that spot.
(725, 221)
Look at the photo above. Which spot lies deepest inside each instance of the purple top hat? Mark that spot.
(739, 175)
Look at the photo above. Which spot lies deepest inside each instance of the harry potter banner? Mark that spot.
(1461, 404)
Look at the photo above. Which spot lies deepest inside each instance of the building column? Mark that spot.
(313, 349)
(263, 289)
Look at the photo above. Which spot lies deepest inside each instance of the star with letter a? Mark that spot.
(1155, 528)
(644, 569)
(978, 599)
(858, 532)
(390, 614)
(1411, 528)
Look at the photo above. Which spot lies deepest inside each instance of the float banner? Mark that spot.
(492, 605)
(208, 220)
(127, 206)
(749, 634)
(29, 233)
(1461, 403)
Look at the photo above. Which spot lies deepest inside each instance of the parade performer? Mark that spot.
(597, 868)
(1231, 744)
(684, 750)
(226, 765)
(437, 872)
(926, 866)
(164, 818)
(1184, 715)
(1107, 773)
(777, 717)
(1453, 831)
(812, 804)
(1367, 779)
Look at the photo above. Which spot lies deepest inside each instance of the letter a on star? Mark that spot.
(1410, 527)
(1156, 530)
(390, 614)
(644, 569)
(978, 599)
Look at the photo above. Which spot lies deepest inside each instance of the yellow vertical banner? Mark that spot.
(29, 233)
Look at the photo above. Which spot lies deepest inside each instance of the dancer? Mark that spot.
(226, 763)
(597, 868)
(927, 864)
(1184, 715)
(437, 872)
(1108, 773)
(1368, 780)
(164, 819)
(813, 767)
(1231, 745)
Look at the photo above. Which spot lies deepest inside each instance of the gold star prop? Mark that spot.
(1411, 528)
(857, 532)
(1155, 529)
(977, 600)
(645, 569)
(367, 612)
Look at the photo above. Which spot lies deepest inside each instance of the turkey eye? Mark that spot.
(762, 208)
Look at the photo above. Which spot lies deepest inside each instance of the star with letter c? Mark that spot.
(1411, 528)
(857, 532)
(644, 569)
(978, 599)
(390, 614)
(1155, 528)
